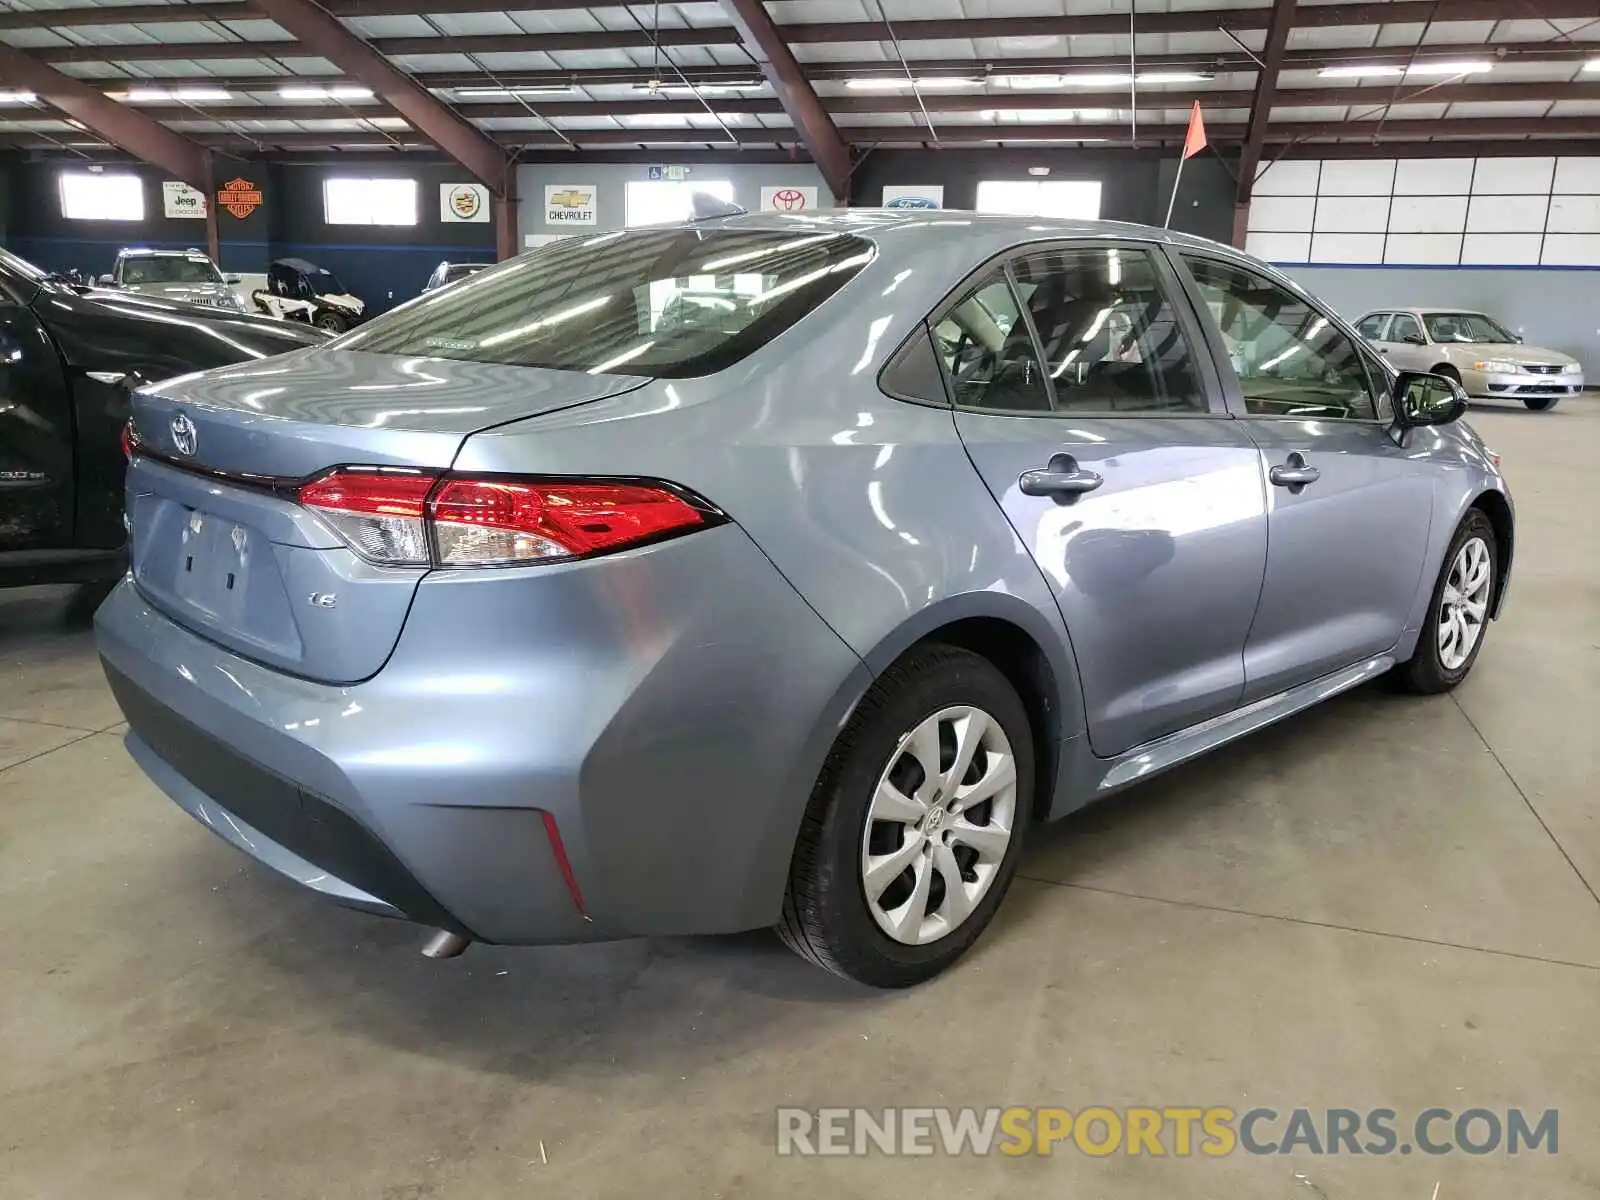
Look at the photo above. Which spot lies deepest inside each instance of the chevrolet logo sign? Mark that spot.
(571, 198)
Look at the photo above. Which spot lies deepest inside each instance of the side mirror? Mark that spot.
(1423, 399)
(107, 281)
(1415, 339)
(232, 280)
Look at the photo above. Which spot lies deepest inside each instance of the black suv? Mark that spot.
(68, 356)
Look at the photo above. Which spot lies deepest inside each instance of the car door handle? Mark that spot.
(1063, 480)
(1295, 473)
(1383, 350)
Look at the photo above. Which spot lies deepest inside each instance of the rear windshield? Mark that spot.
(667, 303)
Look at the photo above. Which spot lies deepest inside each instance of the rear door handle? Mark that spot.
(1383, 350)
(1295, 473)
(1062, 480)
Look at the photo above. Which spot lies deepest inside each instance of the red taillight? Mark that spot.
(420, 519)
(378, 511)
(128, 439)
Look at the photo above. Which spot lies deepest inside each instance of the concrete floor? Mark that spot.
(1387, 902)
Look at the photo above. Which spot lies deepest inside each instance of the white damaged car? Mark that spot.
(1481, 354)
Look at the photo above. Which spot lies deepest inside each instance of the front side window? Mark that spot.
(1290, 359)
(1405, 329)
(1111, 339)
(988, 351)
(666, 303)
(1466, 327)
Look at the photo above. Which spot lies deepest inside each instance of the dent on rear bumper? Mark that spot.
(669, 707)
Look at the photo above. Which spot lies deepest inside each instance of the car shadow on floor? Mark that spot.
(660, 1004)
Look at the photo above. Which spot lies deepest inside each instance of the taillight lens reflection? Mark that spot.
(418, 519)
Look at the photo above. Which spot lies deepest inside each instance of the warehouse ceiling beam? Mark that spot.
(325, 36)
(1255, 133)
(1561, 53)
(79, 17)
(762, 41)
(129, 130)
(835, 32)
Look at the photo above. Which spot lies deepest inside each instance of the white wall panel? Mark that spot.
(1578, 175)
(1297, 178)
(1347, 247)
(1500, 248)
(1574, 214)
(1422, 248)
(1352, 214)
(1357, 177)
(1282, 214)
(1428, 214)
(1279, 247)
(1433, 177)
(1513, 176)
(1507, 214)
(1572, 250)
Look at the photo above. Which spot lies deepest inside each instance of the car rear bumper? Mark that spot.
(657, 718)
(1521, 385)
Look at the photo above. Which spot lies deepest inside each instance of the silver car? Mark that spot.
(187, 275)
(1478, 352)
(535, 612)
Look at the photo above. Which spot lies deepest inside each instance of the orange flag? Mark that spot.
(1195, 140)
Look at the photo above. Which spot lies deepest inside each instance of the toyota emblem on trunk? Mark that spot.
(184, 434)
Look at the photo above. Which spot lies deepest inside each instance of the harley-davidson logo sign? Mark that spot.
(240, 197)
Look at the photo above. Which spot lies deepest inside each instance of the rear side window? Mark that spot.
(988, 352)
(1111, 339)
(667, 303)
(1372, 326)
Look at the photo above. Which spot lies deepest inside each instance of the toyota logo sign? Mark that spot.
(788, 199)
(184, 435)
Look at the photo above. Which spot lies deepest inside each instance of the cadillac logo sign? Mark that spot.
(240, 197)
(465, 201)
(184, 435)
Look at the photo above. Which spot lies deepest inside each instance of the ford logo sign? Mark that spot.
(184, 435)
(911, 202)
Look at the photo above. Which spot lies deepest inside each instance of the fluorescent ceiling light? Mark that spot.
(741, 85)
(336, 92)
(1143, 77)
(1032, 83)
(1357, 72)
(889, 83)
(17, 97)
(504, 93)
(1047, 114)
(155, 95)
(1449, 68)
(1592, 65)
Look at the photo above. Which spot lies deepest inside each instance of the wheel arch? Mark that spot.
(1018, 641)
(1498, 509)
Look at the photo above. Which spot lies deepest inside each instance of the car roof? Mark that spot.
(297, 264)
(144, 252)
(910, 225)
(1422, 311)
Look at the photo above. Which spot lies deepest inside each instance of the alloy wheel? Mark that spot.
(1465, 604)
(940, 822)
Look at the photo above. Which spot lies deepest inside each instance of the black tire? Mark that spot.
(1541, 403)
(332, 322)
(1424, 672)
(826, 917)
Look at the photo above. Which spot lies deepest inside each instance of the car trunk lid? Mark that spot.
(219, 542)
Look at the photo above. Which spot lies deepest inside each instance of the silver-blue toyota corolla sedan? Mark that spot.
(776, 571)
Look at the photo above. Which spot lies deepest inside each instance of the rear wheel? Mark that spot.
(915, 826)
(1541, 403)
(332, 322)
(1458, 613)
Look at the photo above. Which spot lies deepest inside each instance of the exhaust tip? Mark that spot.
(445, 944)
